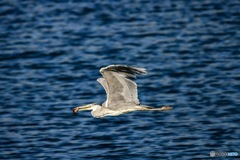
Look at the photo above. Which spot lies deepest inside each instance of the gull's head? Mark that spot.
(92, 106)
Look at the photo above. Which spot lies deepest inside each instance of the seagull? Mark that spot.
(121, 90)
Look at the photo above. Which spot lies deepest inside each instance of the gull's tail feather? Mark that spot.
(164, 108)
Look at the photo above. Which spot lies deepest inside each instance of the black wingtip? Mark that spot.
(125, 69)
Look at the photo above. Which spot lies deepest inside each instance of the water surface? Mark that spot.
(50, 55)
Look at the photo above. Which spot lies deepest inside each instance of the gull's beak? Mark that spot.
(81, 108)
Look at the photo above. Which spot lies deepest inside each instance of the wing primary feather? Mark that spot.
(127, 70)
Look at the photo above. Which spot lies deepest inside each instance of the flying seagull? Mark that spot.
(121, 90)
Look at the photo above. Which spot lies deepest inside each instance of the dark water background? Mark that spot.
(50, 54)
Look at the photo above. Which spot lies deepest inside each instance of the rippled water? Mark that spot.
(50, 54)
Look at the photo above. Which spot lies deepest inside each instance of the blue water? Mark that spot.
(50, 56)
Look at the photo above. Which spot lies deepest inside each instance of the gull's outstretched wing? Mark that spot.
(120, 89)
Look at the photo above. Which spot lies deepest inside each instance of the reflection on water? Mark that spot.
(50, 56)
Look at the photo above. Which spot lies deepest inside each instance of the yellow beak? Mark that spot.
(81, 108)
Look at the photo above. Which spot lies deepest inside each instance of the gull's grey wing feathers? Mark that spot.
(130, 90)
(121, 89)
(103, 82)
